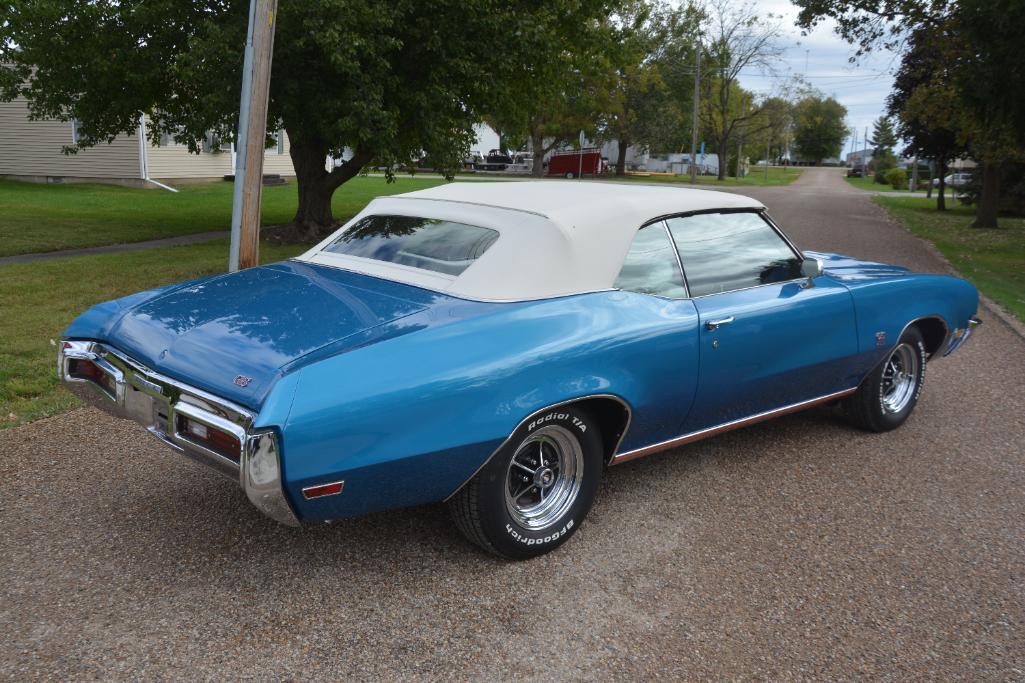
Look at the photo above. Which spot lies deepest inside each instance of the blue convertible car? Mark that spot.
(497, 345)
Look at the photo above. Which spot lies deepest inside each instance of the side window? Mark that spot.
(651, 267)
(727, 251)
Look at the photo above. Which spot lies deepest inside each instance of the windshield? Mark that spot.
(425, 243)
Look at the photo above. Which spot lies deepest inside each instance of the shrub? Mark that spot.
(881, 163)
(897, 178)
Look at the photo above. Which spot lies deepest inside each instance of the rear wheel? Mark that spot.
(534, 493)
(889, 394)
(570, 175)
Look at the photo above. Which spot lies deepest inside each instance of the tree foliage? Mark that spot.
(651, 89)
(388, 81)
(820, 127)
(925, 103)
(738, 38)
(980, 43)
(883, 137)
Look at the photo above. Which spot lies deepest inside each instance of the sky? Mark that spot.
(822, 59)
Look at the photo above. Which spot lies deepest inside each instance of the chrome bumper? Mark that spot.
(129, 390)
(960, 335)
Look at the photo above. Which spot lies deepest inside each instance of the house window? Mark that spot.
(75, 123)
(280, 138)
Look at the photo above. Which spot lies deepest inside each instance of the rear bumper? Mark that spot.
(959, 336)
(178, 415)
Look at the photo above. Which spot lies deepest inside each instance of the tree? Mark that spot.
(562, 93)
(650, 93)
(819, 127)
(990, 79)
(769, 128)
(738, 39)
(985, 67)
(883, 137)
(925, 104)
(387, 82)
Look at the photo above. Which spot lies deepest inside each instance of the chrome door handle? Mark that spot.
(716, 324)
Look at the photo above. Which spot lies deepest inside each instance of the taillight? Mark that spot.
(86, 369)
(215, 439)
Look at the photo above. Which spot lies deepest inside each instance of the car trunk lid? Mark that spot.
(233, 335)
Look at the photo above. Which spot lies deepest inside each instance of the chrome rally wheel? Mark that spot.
(544, 477)
(889, 393)
(900, 378)
(534, 492)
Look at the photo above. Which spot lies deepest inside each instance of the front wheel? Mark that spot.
(888, 395)
(534, 493)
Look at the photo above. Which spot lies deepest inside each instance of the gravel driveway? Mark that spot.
(794, 548)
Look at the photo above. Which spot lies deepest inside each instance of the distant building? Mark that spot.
(32, 151)
(861, 157)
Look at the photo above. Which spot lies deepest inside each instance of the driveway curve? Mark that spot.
(798, 548)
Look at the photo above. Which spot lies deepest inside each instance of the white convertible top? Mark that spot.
(556, 237)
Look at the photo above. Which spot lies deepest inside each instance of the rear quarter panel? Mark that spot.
(407, 420)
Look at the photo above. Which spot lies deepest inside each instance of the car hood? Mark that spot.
(234, 335)
(848, 268)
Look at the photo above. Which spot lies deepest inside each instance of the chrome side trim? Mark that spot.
(727, 426)
(618, 399)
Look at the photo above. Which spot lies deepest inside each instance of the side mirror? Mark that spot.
(811, 268)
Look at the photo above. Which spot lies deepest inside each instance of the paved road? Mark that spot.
(795, 548)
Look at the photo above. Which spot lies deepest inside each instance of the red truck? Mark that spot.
(575, 162)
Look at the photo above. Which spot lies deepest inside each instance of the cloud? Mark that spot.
(823, 59)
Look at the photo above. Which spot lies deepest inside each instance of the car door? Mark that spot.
(664, 364)
(769, 338)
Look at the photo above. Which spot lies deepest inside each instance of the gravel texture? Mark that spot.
(798, 548)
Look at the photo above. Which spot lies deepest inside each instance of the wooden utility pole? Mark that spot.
(694, 124)
(740, 135)
(252, 136)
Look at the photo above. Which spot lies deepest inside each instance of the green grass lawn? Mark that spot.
(777, 175)
(872, 186)
(39, 299)
(36, 218)
(993, 259)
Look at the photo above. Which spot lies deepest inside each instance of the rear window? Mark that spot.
(424, 243)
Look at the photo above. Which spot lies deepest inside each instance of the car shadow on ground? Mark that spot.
(195, 517)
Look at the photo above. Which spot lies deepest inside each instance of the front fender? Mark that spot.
(885, 307)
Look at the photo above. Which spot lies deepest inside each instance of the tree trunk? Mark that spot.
(941, 200)
(621, 157)
(989, 198)
(315, 186)
(537, 145)
(724, 151)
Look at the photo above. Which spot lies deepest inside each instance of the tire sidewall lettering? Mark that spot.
(556, 416)
(527, 540)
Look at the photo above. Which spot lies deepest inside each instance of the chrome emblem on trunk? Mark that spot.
(242, 380)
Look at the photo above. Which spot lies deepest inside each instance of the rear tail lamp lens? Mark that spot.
(215, 439)
(90, 371)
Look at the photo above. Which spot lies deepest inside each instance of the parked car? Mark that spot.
(954, 179)
(856, 172)
(497, 345)
(496, 160)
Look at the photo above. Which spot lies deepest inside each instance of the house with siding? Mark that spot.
(32, 151)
